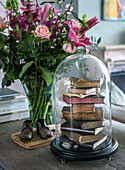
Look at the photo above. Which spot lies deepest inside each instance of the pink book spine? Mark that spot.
(80, 109)
(74, 100)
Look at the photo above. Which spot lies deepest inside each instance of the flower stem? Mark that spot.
(38, 101)
(45, 110)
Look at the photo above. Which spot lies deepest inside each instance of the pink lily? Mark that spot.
(76, 38)
(42, 15)
(91, 23)
(45, 12)
(55, 12)
(79, 36)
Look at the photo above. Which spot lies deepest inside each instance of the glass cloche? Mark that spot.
(82, 109)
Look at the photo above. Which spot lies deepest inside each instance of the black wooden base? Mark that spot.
(91, 155)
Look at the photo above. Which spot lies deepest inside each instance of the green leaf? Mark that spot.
(4, 82)
(25, 68)
(13, 46)
(48, 57)
(34, 55)
(9, 76)
(15, 75)
(8, 4)
(98, 41)
(46, 75)
(27, 42)
(11, 4)
(1, 41)
(92, 38)
(1, 44)
(4, 37)
(1, 64)
(96, 47)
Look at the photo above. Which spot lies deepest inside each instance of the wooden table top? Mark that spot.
(14, 157)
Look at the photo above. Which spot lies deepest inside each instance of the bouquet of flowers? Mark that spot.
(34, 40)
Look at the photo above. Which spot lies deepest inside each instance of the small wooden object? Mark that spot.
(36, 141)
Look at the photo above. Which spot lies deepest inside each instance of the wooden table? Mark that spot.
(14, 157)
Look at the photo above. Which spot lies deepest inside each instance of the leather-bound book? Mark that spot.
(80, 83)
(88, 99)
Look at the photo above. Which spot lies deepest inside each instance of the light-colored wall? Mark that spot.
(112, 32)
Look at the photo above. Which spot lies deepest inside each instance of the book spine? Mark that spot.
(74, 100)
(72, 136)
(82, 109)
(77, 91)
(84, 116)
(87, 139)
(93, 124)
(90, 84)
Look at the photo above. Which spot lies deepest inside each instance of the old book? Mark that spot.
(88, 99)
(79, 95)
(81, 137)
(84, 116)
(92, 124)
(93, 131)
(82, 90)
(95, 144)
(80, 83)
(83, 107)
(75, 109)
(83, 124)
(68, 109)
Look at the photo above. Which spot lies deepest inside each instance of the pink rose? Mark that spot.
(76, 23)
(3, 23)
(42, 31)
(68, 48)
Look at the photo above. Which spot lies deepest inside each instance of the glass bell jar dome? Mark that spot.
(82, 109)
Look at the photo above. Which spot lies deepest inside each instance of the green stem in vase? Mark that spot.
(46, 105)
(38, 101)
(35, 90)
(40, 108)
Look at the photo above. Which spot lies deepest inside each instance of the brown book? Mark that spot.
(82, 91)
(79, 95)
(81, 137)
(94, 131)
(83, 125)
(68, 109)
(88, 99)
(81, 83)
(91, 124)
(79, 108)
(95, 144)
(97, 115)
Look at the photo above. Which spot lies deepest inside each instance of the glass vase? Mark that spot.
(39, 95)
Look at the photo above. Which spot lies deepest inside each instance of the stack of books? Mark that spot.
(84, 121)
(13, 105)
